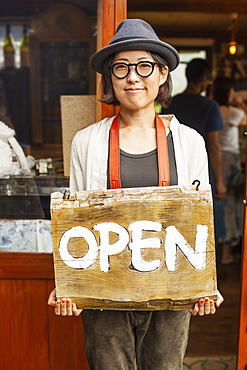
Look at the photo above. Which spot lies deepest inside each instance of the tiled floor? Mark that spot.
(213, 363)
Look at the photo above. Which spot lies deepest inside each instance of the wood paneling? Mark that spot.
(32, 336)
(66, 342)
(26, 266)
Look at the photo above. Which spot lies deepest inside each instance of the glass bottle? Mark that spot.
(9, 50)
(25, 48)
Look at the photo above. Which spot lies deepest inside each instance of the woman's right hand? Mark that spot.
(63, 307)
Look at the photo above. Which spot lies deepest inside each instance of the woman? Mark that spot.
(233, 110)
(135, 70)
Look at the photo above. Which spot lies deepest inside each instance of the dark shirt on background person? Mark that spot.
(203, 114)
(197, 112)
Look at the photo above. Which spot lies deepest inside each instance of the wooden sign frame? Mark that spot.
(134, 249)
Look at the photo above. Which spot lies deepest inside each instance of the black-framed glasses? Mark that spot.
(143, 69)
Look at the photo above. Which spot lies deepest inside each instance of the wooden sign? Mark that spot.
(134, 249)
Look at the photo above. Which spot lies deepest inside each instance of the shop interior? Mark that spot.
(45, 46)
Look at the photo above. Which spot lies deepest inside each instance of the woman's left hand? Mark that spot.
(206, 306)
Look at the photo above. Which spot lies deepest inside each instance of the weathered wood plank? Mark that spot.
(173, 270)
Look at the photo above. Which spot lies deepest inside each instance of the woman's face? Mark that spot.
(135, 92)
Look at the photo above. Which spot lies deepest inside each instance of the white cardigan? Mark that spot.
(89, 155)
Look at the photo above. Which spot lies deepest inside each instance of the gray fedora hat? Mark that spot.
(135, 34)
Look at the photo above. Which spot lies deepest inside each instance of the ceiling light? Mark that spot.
(232, 47)
(233, 28)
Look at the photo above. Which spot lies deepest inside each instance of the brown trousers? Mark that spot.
(157, 339)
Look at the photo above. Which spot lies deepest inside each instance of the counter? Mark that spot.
(32, 336)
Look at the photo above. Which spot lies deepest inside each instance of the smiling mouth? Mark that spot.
(134, 90)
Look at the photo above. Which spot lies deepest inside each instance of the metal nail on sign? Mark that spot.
(134, 249)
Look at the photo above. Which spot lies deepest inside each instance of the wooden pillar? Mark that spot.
(110, 14)
(242, 346)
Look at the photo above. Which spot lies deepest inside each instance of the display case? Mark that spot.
(25, 224)
(28, 197)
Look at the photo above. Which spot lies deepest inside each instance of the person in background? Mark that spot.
(197, 111)
(135, 69)
(233, 112)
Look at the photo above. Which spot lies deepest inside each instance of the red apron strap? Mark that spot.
(114, 154)
(162, 149)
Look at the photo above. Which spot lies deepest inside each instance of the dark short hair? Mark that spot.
(196, 69)
(107, 93)
(221, 89)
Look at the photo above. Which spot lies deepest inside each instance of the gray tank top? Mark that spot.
(141, 170)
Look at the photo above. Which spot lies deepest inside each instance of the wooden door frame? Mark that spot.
(242, 339)
(110, 14)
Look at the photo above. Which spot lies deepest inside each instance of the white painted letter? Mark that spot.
(82, 262)
(138, 243)
(107, 249)
(174, 240)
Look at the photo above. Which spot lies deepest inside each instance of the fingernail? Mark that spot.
(206, 300)
(63, 301)
(68, 301)
(201, 301)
